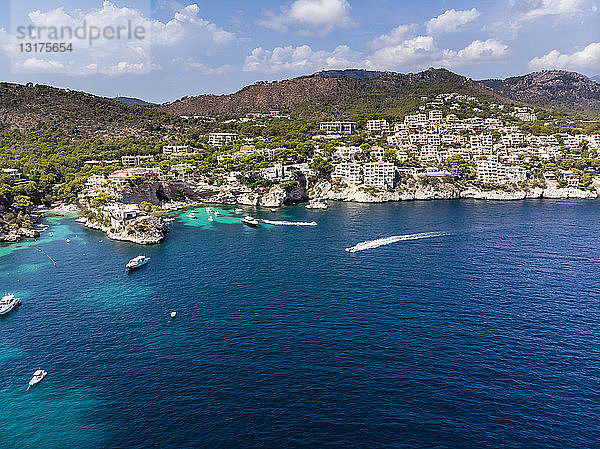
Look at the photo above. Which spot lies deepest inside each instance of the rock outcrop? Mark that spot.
(16, 235)
(148, 231)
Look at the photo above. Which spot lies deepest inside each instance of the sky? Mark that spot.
(163, 50)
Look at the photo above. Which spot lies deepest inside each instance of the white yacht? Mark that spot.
(250, 221)
(37, 378)
(7, 303)
(137, 262)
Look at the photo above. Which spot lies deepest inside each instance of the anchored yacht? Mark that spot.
(8, 302)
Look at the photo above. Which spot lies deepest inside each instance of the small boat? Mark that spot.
(250, 221)
(238, 210)
(137, 262)
(37, 378)
(173, 314)
(8, 302)
(317, 204)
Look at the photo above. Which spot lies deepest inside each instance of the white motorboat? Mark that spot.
(8, 302)
(137, 262)
(37, 378)
(250, 221)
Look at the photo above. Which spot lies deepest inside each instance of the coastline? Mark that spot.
(276, 197)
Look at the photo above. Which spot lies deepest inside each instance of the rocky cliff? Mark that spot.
(438, 189)
(227, 193)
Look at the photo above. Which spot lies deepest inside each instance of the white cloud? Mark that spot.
(534, 9)
(203, 69)
(422, 52)
(451, 21)
(320, 15)
(299, 59)
(410, 52)
(185, 33)
(587, 59)
(41, 65)
(477, 52)
(185, 25)
(394, 37)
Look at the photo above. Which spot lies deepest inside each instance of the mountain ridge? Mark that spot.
(330, 93)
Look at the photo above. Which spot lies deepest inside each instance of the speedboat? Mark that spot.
(37, 378)
(250, 221)
(7, 303)
(137, 262)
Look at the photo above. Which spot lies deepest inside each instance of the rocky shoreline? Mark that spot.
(155, 233)
(440, 190)
(166, 194)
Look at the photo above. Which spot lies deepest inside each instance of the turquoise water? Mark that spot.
(480, 331)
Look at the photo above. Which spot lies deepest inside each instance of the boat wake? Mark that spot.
(290, 223)
(371, 244)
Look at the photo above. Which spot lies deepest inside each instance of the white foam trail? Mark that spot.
(371, 244)
(289, 223)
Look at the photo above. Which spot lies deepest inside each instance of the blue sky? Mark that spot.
(191, 48)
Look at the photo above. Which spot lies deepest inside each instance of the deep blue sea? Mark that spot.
(482, 333)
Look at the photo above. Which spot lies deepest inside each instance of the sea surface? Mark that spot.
(453, 324)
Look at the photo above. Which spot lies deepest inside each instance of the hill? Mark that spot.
(334, 93)
(552, 89)
(38, 107)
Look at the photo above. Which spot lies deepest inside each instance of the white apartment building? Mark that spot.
(132, 161)
(378, 126)
(172, 151)
(119, 177)
(183, 172)
(416, 120)
(345, 153)
(15, 175)
(525, 114)
(351, 172)
(512, 140)
(492, 171)
(338, 127)
(379, 174)
(435, 116)
(220, 139)
(482, 143)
